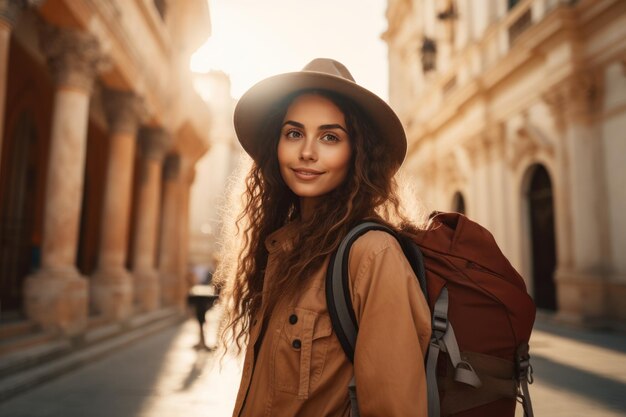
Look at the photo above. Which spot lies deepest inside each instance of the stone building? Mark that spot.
(515, 112)
(101, 129)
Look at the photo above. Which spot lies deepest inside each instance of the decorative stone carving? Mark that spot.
(74, 57)
(493, 140)
(578, 98)
(528, 141)
(487, 144)
(10, 10)
(124, 110)
(154, 143)
(474, 149)
(450, 171)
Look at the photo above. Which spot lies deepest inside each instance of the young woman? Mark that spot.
(325, 151)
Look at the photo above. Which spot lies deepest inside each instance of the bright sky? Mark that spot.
(255, 39)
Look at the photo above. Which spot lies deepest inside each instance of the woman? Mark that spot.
(325, 151)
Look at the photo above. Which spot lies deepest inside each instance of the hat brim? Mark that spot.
(260, 100)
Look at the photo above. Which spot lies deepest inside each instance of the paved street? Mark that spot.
(576, 374)
(163, 376)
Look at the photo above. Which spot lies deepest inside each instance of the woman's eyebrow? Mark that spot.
(332, 126)
(322, 127)
(296, 124)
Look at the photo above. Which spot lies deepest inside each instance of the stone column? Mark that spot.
(111, 284)
(187, 177)
(583, 240)
(499, 186)
(170, 233)
(479, 208)
(154, 143)
(56, 296)
(9, 12)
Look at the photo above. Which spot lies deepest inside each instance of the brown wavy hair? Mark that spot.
(368, 192)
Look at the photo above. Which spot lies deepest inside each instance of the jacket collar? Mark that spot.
(283, 238)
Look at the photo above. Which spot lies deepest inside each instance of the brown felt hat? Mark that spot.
(255, 106)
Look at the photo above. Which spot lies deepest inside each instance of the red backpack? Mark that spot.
(478, 362)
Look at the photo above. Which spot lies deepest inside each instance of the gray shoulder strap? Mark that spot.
(340, 294)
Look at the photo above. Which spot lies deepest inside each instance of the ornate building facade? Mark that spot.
(515, 113)
(101, 130)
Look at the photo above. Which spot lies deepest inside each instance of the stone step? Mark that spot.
(30, 367)
(23, 341)
(17, 328)
(24, 359)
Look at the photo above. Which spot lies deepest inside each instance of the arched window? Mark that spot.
(542, 233)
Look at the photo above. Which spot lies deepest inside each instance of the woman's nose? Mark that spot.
(308, 151)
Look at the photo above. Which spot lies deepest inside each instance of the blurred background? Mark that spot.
(117, 151)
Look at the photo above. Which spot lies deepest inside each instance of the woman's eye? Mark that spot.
(293, 134)
(329, 137)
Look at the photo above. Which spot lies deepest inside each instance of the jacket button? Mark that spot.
(293, 319)
(297, 344)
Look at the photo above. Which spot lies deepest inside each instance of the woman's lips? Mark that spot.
(306, 174)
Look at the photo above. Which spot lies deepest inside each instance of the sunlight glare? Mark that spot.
(253, 40)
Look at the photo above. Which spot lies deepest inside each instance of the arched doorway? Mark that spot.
(19, 254)
(458, 203)
(543, 249)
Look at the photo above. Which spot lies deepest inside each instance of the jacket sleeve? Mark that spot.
(394, 329)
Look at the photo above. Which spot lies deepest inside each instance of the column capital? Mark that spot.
(476, 149)
(494, 140)
(124, 110)
(577, 98)
(10, 10)
(74, 57)
(171, 167)
(154, 143)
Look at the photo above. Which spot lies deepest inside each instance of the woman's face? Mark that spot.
(314, 148)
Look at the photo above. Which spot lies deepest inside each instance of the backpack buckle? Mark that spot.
(523, 367)
(440, 325)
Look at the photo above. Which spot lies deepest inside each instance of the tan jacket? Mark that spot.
(300, 368)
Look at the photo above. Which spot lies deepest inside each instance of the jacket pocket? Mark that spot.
(300, 352)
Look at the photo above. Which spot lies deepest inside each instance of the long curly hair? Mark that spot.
(368, 192)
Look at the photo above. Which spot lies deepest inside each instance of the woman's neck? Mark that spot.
(307, 207)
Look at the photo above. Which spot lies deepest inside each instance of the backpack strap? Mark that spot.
(338, 298)
(443, 339)
(524, 372)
